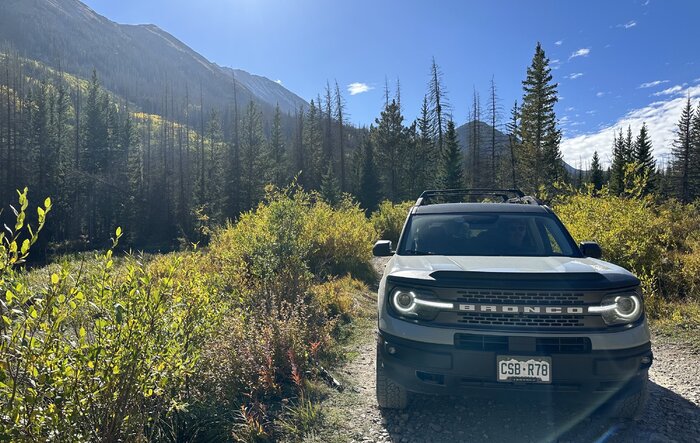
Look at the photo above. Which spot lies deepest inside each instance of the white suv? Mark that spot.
(498, 297)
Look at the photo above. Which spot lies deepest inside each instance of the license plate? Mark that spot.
(524, 369)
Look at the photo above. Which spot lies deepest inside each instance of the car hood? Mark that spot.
(435, 267)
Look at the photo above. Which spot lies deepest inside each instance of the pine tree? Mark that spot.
(214, 170)
(94, 156)
(278, 157)
(369, 179)
(642, 155)
(340, 117)
(596, 174)
(683, 170)
(476, 171)
(233, 180)
(313, 147)
(494, 109)
(439, 106)
(619, 163)
(514, 144)
(538, 125)
(330, 187)
(328, 128)
(251, 156)
(298, 163)
(425, 147)
(695, 153)
(390, 137)
(452, 174)
(629, 146)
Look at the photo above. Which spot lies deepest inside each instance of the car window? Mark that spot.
(485, 234)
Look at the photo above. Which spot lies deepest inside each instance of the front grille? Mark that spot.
(460, 317)
(520, 297)
(544, 345)
(529, 321)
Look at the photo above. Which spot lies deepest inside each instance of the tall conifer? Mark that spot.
(452, 173)
(539, 134)
(683, 170)
(642, 155)
(596, 175)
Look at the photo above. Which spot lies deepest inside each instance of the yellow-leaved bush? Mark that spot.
(659, 242)
(200, 344)
(389, 219)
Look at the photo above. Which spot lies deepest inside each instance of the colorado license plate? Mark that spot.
(526, 369)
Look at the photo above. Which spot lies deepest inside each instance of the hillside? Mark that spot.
(464, 134)
(134, 61)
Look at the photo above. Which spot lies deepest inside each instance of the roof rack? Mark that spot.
(506, 195)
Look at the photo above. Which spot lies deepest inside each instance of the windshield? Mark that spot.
(487, 234)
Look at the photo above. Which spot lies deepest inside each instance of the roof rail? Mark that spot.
(506, 195)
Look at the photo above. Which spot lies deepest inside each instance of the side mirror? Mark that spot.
(591, 249)
(382, 249)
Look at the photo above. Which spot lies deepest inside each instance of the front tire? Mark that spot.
(390, 395)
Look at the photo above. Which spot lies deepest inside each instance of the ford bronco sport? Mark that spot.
(498, 297)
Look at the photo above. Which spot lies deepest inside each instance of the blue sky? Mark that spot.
(616, 62)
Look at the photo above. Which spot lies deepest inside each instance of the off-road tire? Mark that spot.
(631, 406)
(390, 395)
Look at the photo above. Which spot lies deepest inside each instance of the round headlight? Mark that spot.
(627, 306)
(404, 301)
(620, 308)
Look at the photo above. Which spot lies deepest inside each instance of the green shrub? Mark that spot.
(389, 219)
(659, 242)
(196, 345)
(341, 298)
(293, 235)
(102, 353)
(340, 240)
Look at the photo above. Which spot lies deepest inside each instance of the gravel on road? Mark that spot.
(672, 413)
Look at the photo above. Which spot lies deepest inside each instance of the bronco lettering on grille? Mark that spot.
(516, 309)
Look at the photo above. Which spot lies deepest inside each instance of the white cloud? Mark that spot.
(559, 42)
(358, 88)
(583, 52)
(574, 75)
(279, 82)
(661, 118)
(697, 80)
(599, 94)
(669, 91)
(570, 108)
(555, 64)
(652, 84)
(629, 24)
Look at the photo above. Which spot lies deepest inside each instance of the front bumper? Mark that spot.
(446, 369)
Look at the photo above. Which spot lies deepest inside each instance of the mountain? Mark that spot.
(464, 134)
(140, 62)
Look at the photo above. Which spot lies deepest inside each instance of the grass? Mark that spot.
(678, 321)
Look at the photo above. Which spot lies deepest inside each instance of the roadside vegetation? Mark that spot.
(658, 240)
(222, 344)
(232, 342)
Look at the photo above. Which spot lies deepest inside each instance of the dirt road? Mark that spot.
(672, 413)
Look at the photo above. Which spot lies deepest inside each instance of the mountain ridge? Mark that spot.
(136, 61)
(502, 140)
